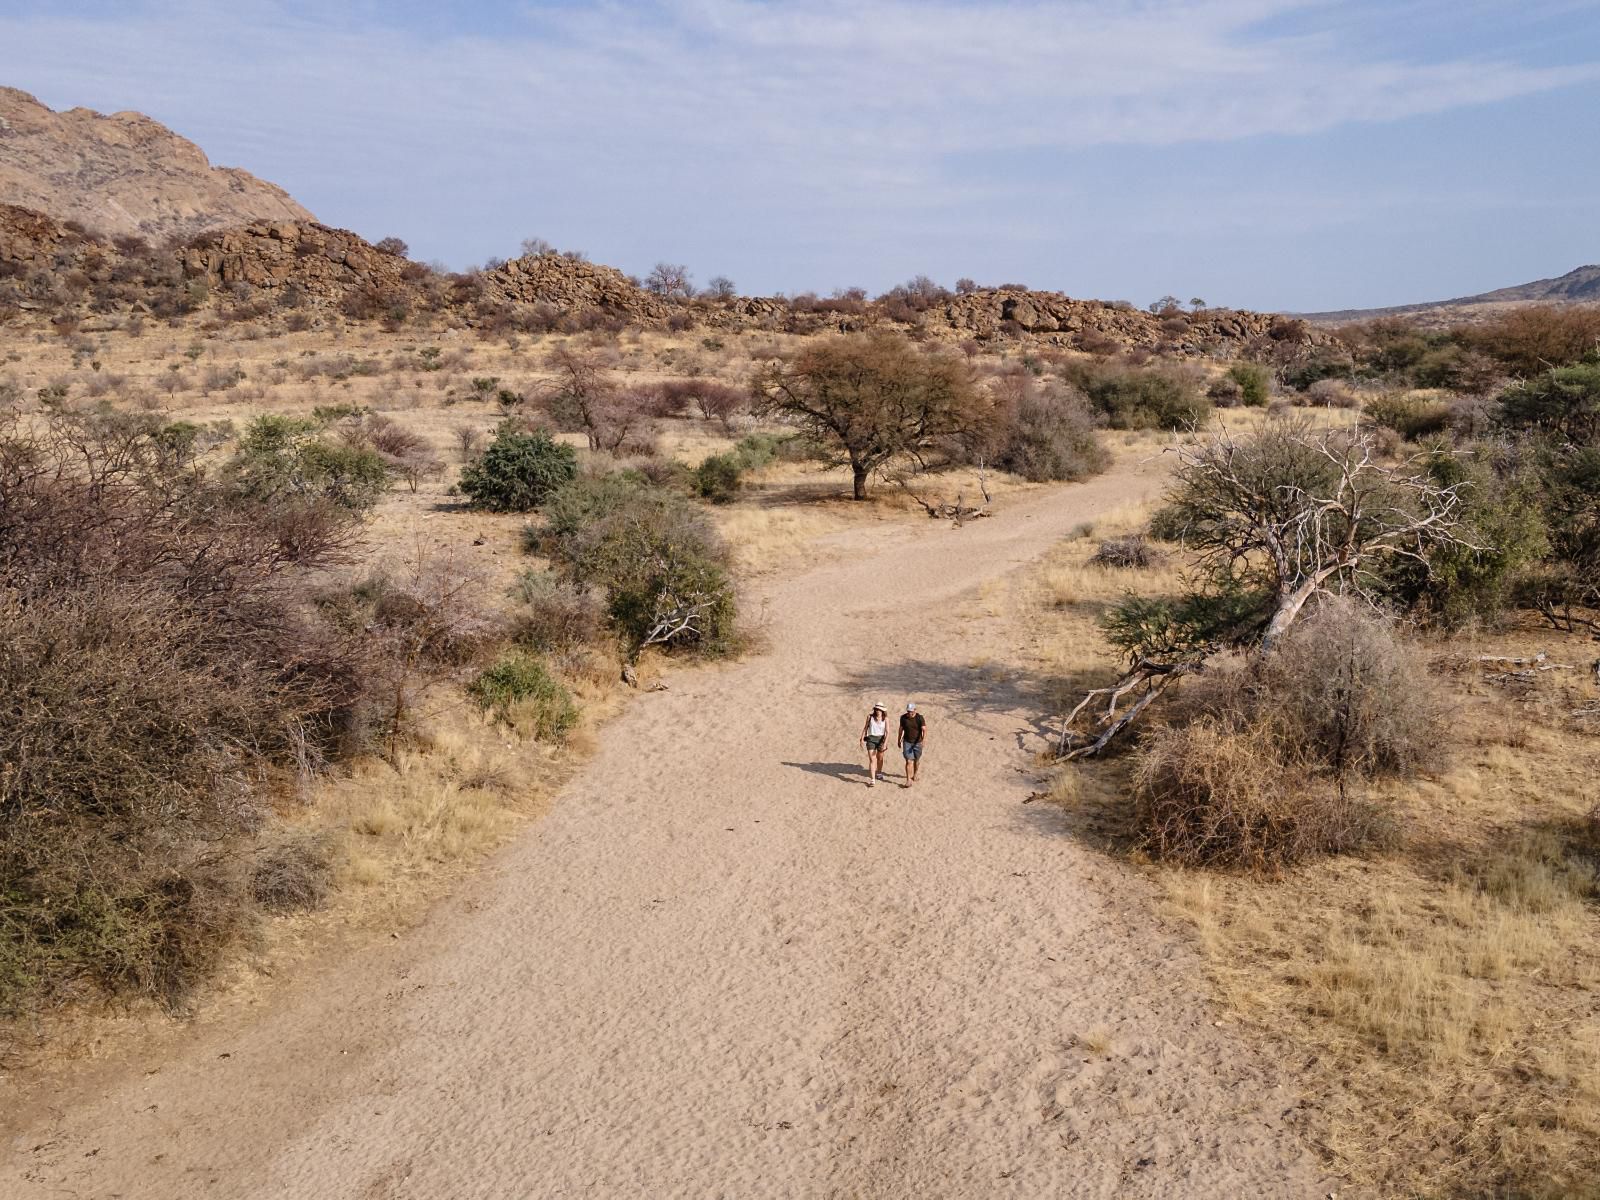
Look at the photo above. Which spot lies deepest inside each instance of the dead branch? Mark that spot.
(1153, 677)
(942, 509)
(1539, 662)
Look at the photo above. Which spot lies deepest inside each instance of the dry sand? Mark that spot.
(722, 966)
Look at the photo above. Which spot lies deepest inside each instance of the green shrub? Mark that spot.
(583, 503)
(1503, 531)
(519, 687)
(1412, 417)
(1141, 397)
(1564, 402)
(661, 565)
(759, 449)
(286, 459)
(518, 472)
(1326, 363)
(1255, 383)
(717, 478)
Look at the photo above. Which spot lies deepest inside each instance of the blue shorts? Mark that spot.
(912, 751)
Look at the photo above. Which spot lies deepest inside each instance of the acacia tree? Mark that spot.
(585, 398)
(866, 400)
(670, 281)
(1276, 520)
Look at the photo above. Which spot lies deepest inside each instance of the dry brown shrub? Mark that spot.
(554, 614)
(1540, 336)
(1343, 689)
(158, 671)
(293, 873)
(1332, 393)
(1133, 551)
(1265, 762)
(1208, 794)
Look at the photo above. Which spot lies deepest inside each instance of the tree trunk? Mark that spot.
(859, 478)
(1289, 608)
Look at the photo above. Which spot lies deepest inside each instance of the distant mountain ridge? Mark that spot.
(124, 174)
(1578, 286)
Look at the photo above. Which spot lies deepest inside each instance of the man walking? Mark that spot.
(913, 736)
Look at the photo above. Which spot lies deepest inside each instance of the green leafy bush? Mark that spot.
(661, 565)
(1564, 402)
(1140, 397)
(520, 689)
(1255, 383)
(286, 459)
(1503, 528)
(518, 472)
(757, 450)
(717, 478)
(1412, 417)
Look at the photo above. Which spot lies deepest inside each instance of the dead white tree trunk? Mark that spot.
(1295, 512)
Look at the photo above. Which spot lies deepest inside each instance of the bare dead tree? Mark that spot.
(1333, 510)
(1275, 520)
(670, 281)
(582, 388)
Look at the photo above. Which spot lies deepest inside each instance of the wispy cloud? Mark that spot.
(809, 113)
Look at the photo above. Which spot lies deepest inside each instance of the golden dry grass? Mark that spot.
(1438, 1002)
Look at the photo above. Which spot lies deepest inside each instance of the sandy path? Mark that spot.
(723, 967)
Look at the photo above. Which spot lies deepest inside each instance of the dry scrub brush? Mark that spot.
(1264, 764)
(159, 670)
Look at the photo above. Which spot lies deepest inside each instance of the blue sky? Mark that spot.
(1284, 154)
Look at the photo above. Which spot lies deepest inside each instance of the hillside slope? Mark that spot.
(124, 174)
(1578, 286)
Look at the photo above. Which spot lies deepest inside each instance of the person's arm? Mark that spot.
(900, 734)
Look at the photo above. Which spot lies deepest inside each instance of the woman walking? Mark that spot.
(873, 735)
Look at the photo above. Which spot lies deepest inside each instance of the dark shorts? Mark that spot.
(876, 743)
(912, 751)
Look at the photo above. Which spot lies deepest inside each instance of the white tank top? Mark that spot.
(877, 727)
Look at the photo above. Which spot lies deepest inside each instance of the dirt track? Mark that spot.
(721, 966)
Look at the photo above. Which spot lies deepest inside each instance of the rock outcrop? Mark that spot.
(325, 265)
(124, 174)
(1066, 321)
(29, 239)
(573, 286)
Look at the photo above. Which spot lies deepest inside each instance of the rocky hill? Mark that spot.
(124, 174)
(264, 267)
(1085, 323)
(1579, 286)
